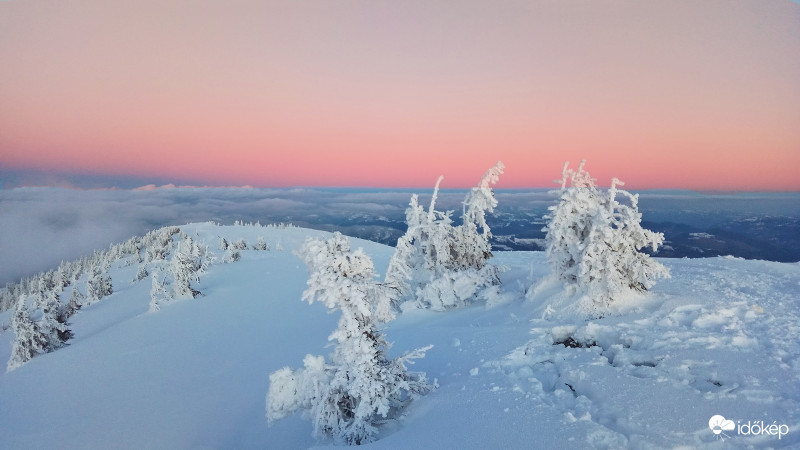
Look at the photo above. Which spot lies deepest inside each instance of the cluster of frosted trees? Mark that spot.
(40, 317)
(593, 242)
(436, 265)
(172, 259)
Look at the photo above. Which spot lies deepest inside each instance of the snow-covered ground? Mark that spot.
(721, 337)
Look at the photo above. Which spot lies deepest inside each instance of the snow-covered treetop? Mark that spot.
(481, 199)
(492, 176)
(342, 279)
(576, 178)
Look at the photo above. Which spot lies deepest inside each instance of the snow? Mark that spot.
(721, 337)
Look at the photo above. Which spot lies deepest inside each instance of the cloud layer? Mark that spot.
(40, 227)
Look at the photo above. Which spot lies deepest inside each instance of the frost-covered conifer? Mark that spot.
(33, 338)
(29, 341)
(593, 241)
(53, 323)
(261, 244)
(8, 296)
(439, 266)
(141, 273)
(348, 398)
(98, 285)
(223, 244)
(187, 264)
(231, 255)
(76, 299)
(60, 278)
(158, 291)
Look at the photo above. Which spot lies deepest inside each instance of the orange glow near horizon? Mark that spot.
(679, 95)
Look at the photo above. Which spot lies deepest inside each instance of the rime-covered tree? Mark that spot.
(593, 241)
(61, 278)
(260, 244)
(472, 237)
(9, 296)
(29, 340)
(439, 266)
(187, 264)
(231, 255)
(76, 299)
(98, 285)
(239, 244)
(158, 291)
(45, 335)
(53, 323)
(348, 398)
(141, 272)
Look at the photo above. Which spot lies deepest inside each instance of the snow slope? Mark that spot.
(722, 336)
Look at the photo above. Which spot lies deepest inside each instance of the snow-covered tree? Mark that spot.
(261, 244)
(240, 244)
(34, 337)
(158, 291)
(53, 323)
(439, 266)
(76, 299)
(223, 244)
(98, 285)
(231, 255)
(188, 262)
(141, 273)
(61, 278)
(159, 243)
(593, 241)
(9, 296)
(348, 398)
(29, 341)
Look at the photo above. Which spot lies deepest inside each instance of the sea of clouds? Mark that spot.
(40, 227)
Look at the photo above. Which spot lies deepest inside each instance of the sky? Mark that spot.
(679, 94)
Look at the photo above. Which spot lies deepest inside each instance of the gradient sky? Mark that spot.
(662, 94)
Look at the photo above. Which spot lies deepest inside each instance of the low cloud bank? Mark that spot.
(40, 227)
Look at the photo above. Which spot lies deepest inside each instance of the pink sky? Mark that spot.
(668, 94)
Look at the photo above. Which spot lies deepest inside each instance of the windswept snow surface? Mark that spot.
(721, 337)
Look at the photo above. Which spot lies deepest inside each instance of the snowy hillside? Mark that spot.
(721, 337)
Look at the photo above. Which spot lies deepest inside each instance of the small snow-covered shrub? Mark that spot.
(439, 266)
(593, 241)
(348, 398)
(231, 256)
(238, 245)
